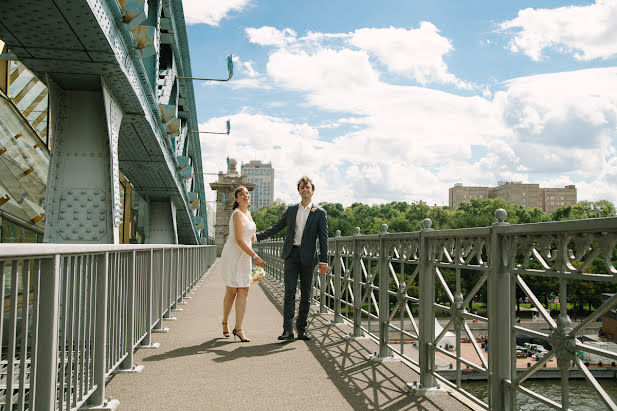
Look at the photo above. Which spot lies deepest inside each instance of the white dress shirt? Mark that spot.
(301, 217)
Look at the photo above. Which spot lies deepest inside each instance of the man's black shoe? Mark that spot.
(287, 335)
(304, 336)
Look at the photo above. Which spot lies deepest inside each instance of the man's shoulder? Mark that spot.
(318, 209)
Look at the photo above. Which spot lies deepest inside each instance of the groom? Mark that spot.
(306, 222)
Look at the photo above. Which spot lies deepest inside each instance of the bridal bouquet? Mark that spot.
(257, 274)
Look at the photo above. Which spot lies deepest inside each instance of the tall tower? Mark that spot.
(225, 187)
(262, 175)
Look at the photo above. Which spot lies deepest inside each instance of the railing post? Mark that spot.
(47, 347)
(500, 314)
(147, 341)
(97, 399)
(161, 281)
(427, 310)
(184, 267)
(357, 286)
(323, 284)
(337, 279)
(127, 364)
(384, 299)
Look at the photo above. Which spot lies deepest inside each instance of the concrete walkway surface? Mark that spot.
(196, 368)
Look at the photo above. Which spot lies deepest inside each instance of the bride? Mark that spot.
(236, 261)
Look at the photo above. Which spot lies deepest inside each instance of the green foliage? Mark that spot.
(404, 217)
(265, 217)
(584, 209)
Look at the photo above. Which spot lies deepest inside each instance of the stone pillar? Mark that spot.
(225, 187)
(162, 227)
(83, 192)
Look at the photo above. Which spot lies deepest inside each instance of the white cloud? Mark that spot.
(412, 143)
(211, 12)
(569, 109)
(322, 70)
(270, 36)
(585, 32)
(414, 53)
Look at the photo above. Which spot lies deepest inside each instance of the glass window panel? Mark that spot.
(14, 233)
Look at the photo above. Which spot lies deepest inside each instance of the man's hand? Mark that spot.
(323, 268)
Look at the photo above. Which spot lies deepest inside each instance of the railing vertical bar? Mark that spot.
(163, 280)
(44, 392)
(82, 325)
(77, 329)
(426, 279)
(337, 278)
(172, 276)
(500, 306)
(148, 290)
(10, 358)
(63, 329)
(24, 333)
(127, 364)
(112, 292)
(172, 265)
(36, 279)
(159, 280)
(100, 336)
(384, 300)
(90, 312)
(357, 287)
(71, 325)
(563, 308)
(2, 285)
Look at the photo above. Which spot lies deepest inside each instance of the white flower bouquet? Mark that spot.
(257, 274)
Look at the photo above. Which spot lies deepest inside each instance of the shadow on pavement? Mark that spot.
(215, 346)
(364, 384)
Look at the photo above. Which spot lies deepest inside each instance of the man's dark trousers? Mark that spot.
(293, 268)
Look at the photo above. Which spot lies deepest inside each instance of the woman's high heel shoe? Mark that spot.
(225, 333)
(242, 339)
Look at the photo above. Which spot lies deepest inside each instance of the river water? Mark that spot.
(582, 395)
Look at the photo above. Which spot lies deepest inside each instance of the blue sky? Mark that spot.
(400, 100)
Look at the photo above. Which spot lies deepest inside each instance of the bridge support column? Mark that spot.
(426, 276)
(500, 306)
(83, 189)
(162, 223)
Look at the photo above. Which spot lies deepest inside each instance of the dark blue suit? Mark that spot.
(300, 261)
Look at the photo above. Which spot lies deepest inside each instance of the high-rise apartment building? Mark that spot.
(262, 175)
(526, 195)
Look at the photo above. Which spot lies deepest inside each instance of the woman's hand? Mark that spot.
(258, 261)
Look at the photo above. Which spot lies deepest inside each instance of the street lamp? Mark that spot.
(230, 69)
(212, 132)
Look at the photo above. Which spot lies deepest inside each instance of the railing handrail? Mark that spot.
(501, 256)
(49, 249)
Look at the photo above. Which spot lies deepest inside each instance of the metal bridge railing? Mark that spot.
(73, 314)
(390, 286)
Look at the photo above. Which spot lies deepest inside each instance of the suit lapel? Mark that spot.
(293, 213)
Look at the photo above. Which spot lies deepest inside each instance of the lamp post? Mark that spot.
(230, 70)
(228, 124)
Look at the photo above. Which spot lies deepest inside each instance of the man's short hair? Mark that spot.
(306, 181)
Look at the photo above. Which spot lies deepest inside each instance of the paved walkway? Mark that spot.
(195, 368)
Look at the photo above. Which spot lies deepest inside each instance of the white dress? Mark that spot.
(237, 264)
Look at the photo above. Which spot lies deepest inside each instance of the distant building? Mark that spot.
(262, 175)
(526, 195)
(609, 320)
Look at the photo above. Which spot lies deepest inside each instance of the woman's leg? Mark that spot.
(228, 301)
(241, 306)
